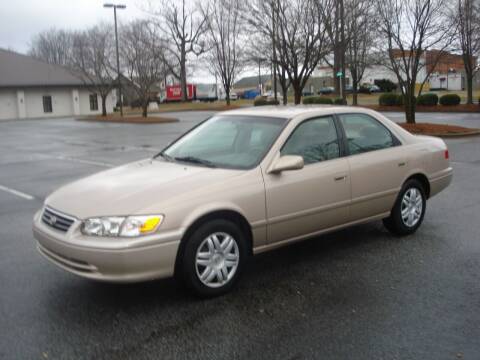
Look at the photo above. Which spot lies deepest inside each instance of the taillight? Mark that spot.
(447, 156)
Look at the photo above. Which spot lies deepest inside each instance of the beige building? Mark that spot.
(30, 88)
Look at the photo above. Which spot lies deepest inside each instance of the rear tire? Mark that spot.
(409, 209)
(213, 258)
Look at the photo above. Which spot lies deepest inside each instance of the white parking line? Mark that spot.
(17, 193)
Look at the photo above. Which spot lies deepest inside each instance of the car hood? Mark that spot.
(128, 189)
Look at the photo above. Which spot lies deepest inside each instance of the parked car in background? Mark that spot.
(233, 96)
(374, 89)
(348, 89)
(270, 94)
(241, 183)
(326, 90)
(369, 89)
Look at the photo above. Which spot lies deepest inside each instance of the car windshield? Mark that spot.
(227, 141)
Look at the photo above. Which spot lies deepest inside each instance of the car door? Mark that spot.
(316, 197)
(377, 165)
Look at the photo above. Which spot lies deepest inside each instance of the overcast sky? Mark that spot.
(22, 19)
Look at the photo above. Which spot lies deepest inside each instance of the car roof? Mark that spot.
(289, 112)
(305, 111)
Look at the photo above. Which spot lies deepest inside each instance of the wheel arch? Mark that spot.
(226, 214)
(423, 179)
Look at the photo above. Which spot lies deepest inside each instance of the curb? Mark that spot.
(463, 134)
(165, 121)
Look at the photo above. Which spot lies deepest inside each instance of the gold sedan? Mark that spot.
(240, 183)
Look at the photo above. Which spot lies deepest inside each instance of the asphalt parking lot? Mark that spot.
(355, 294)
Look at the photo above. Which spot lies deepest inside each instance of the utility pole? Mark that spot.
(119, 82)
(343, 49)
(259, 76)
(274, 36)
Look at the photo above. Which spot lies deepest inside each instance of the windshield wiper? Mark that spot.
(165, 156)
(195, 160)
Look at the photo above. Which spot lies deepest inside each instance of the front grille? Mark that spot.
(56, 220)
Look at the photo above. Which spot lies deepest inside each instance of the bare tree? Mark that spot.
(302, 41)
(91, 56)
(332, 13)
(468, 21)
(52, 46)
(224, 29)
(262, 16)
(284, 83)
(142, 52)
(183, 27)
(360, 42)
(410, 29)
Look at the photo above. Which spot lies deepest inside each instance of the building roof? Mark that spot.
(251, 81)
(17, 70)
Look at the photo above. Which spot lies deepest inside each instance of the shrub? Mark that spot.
(273, 102)
(400, 100)
(389, 99)
(428, 99)
(136, 103)
(450, 99)
(364, 89)
(261, 101)
(317, 100)
(340, 101)
(308, 100)
(385, 85)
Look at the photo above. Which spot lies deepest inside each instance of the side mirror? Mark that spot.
(287, 162)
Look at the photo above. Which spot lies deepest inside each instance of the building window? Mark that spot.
(93, 102)
(47, 104)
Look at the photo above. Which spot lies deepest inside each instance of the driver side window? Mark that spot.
(315, 140)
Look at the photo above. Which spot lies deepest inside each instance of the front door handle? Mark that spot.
(340, 177)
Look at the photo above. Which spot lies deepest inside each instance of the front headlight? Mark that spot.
(130, 226)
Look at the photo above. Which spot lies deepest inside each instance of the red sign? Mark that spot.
(174, 92)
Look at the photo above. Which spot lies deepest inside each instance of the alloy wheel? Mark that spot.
(217, 259)
(412, 206)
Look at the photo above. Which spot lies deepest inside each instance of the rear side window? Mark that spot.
(364, 133)
(315, 140)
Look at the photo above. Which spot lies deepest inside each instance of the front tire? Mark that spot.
(409, 209)
(214, 258)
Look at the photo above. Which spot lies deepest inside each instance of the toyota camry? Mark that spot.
(241, 183)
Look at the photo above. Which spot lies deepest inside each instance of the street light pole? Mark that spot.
(119, 82)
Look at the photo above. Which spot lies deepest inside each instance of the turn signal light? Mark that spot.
(447, 156)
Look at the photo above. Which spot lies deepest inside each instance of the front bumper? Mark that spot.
(112, 260)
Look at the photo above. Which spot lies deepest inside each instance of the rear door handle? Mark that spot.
(403, 163)
(340, 177)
